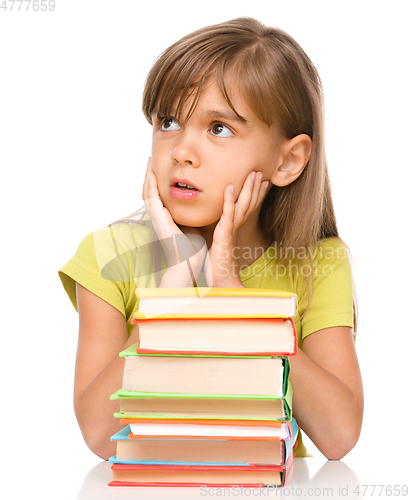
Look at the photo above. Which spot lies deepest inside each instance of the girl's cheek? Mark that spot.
(156, 170)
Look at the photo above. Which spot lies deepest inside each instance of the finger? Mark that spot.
(153, 195)
(245, 198)
(262, 192)
(153, 204)
(229, 204)
(161, 219)
(152, 185)
(256, 184)
(226, 222)
(146, 180)
(259, 191)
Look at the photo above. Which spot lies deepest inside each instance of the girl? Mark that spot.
(238, 162)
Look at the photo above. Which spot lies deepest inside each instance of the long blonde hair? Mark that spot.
(284, 90)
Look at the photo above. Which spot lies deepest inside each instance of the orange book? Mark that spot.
(200, 476)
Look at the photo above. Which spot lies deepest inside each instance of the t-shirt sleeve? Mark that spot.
(332, 299)
(84, 269)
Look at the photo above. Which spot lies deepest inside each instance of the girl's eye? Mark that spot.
(169, 124)
(220, 130)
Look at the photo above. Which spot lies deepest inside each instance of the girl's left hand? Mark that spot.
(221, 269)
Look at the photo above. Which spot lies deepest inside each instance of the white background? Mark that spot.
(73, 150)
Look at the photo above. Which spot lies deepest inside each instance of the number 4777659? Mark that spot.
(21, 5)
(381, 490)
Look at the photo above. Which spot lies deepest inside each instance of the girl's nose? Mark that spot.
(185, 153)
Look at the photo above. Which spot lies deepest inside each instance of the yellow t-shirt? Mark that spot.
(111, 262)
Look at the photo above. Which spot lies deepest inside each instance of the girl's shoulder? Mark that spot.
(326, 292)
(332, 266)
(103, 245)
(110, 262)
(331, 249)
(122, 239)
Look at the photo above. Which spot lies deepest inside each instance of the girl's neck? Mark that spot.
(250, 243)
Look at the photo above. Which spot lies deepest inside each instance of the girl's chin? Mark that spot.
(195, 223)
(189, 217)
(192, 221)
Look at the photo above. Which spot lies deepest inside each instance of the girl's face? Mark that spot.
(211, 150)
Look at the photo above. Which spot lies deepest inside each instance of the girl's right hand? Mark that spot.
(185, 252)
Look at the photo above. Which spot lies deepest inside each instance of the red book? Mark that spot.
(217, 336)
(200, 475)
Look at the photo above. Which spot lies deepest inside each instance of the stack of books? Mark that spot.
(206, 398)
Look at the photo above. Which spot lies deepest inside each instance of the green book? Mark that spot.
(205, 386)
(189, 406)
(132, 351)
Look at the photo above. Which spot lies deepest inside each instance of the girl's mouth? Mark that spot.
(181, 185)
(182, 191)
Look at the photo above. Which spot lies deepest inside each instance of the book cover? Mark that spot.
(197, 431)
(215, 302)
(211, 376)
(132, 350)
(202, 452)
(200, 475)
(286, 403)
(186, 408)
(218, 336)
(245, 388)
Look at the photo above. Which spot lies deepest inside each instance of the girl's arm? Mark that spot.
(99, 370)
(328, 391)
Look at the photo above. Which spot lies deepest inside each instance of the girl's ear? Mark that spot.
(295, 154)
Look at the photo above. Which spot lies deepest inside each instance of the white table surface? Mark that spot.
(309, 478)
